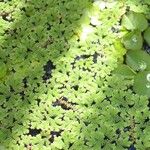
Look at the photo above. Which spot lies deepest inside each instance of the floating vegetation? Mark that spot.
(74, 75)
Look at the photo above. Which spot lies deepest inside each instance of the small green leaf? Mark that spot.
(142, 83)
(124, 70)
(119, 47)
(2, 135)
(3, 69)
(134, 21)
(133, 40)
(147, 35)
(138, 60)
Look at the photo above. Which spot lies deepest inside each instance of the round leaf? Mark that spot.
(138, 60)
(147, 35)
(134, 21)
(133, 40)
(142, 83)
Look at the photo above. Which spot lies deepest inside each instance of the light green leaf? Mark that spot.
(147, 35)
(133, 40)
(138, 60)
(134, 21)
(119, 47)
(142, 83)
(127, 22)
(59, 143)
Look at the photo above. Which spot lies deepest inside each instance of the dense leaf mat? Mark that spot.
(57, 89)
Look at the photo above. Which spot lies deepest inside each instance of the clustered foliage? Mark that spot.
(58, 89)
(137, 57)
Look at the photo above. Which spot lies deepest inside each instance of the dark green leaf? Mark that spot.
(3, 69)
(147, 35)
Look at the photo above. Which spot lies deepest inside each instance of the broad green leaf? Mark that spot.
(133, 40)
(127, 21)
(134, 21)
(142, 83)
(124, 70)
(3, 69)
(147, 35)
(138, 60)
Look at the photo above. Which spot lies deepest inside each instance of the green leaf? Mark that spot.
(59, 143)
(2, 135)
(142, 83)
(124, 70)
(138, 60)
(119, 47)
(3, 69)
(2, 147)
(133, 40)
(127, 21)
(134, 21)
(147, 35)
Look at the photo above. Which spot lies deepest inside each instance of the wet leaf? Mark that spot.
(133, 40)
(142, 83)
(138, 60)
